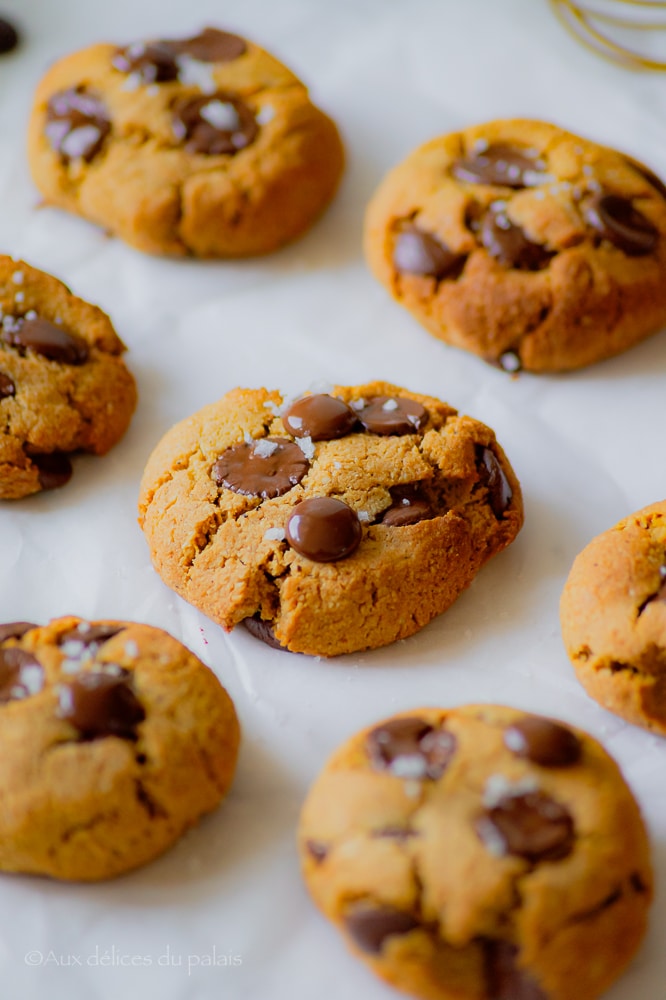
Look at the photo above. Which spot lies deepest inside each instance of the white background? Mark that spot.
(587, 447)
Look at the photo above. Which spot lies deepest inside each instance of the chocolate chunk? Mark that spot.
(21, 674)
(219, 124)
(417, 252)
(9, 37)
(213, 45)
(501, 164)
(267, 468)
(324, 529)
(532, 826)
(316, 850)
(51, 341)
(393, 415)
(7, 387)
(410, 748)
(493, 477)
(616, 220)
(153, 62)
(76, 124)
(90, 636)
(409, 507)
(505, 979)
(100, 704)
(14, 630)
(369, 926)
(262, 630)
(508, 244)
(648, 174)
(53, 469)
(543, 742)
(320, 417)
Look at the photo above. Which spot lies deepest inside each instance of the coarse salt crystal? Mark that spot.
(498, 787)
(17, 277)
(265, 114)
(31, 314)
(265, 448)
(357, 404)
(31, 679)
(131, 82)
(19, 297)
(72, 647)
(70, 666)
(221, 115)
(274, 535)
(390, 404)
(306, 446)
(197, 74)
(131, 648)
(363, 515)
(409, 766)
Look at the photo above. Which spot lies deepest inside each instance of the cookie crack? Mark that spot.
(148, 802)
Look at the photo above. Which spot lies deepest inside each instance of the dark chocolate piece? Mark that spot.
(268, 467)
(417, 252)
(369, 926)
(410, 748)
(509, 245)
(493, 477)
(76, 124)
(501, 164)
(51, 341)
(615, 219)
(324, 529)
(393, 415)
(101, 704)
(215, 125)
(320, 417)
(21, 674)
(531, 826)
(543, 742)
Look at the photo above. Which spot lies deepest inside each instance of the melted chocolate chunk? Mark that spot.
(99, 704)
(263, 631)
(543, 742)
(410, 748)
(220, 124)
(153, 62)
(648, 174)
(54, 469)
(9, 37)
(493, 477)
(531, 826)
(417, 252)
(393, 415)
(320, 417)
(370, 926)
(20, 674)
(7, 387)
(213, 45)
(76, 124)
(615, 219)
(47, 339)
(267, 468)
(14, 630)
(509, 245)
(92, 636)
(316, 850)
(502, 165)
(505, 979)
(324, 529)
(409, 507)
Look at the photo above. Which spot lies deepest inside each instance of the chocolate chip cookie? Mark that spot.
(479, 853)
(613, 613)
(63, 384)
(204, 145)
(524, 244)
(330, 523)
(115, 740)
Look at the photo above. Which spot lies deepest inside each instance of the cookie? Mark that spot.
(331, 523)
(63, 384)
(524, 244)
(613, 614)
(204, 145)
(115, 740)
(479, 853)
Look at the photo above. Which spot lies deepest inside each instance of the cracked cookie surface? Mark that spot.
(332, 523)
(205, 145)
(479, 853)
(63, 384)
(524, 244)
(613, 614)
(115, 740)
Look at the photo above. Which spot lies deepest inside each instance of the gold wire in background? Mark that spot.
(589, 25)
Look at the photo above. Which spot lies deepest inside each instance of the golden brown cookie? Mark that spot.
(524, 244)
(204, 145)
(479, 853)
(63, 384)
(332, 523)
(613, 613)
(115, 740)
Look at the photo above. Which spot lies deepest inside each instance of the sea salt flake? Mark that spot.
(18, 277)
(493, 840)
(19, 297)
(153, 90)
(247, 437)
(221, 115)
(274, 535)
(265, 114)
(390, 404)
(192, 72)
(72, 648)
(265, 448)
(17, 692)
(131, 82)
(363, 515)
(70, 666)
(338, 465)
(480, 146)
(31, 679)
(110, 669)
(499, 787)
(31, 314)
(306, 446)
(358, 404)
(80, 138)
(273, 407)
(131, 648)
(409, 766)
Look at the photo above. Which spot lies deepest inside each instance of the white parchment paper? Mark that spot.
(224, 914)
